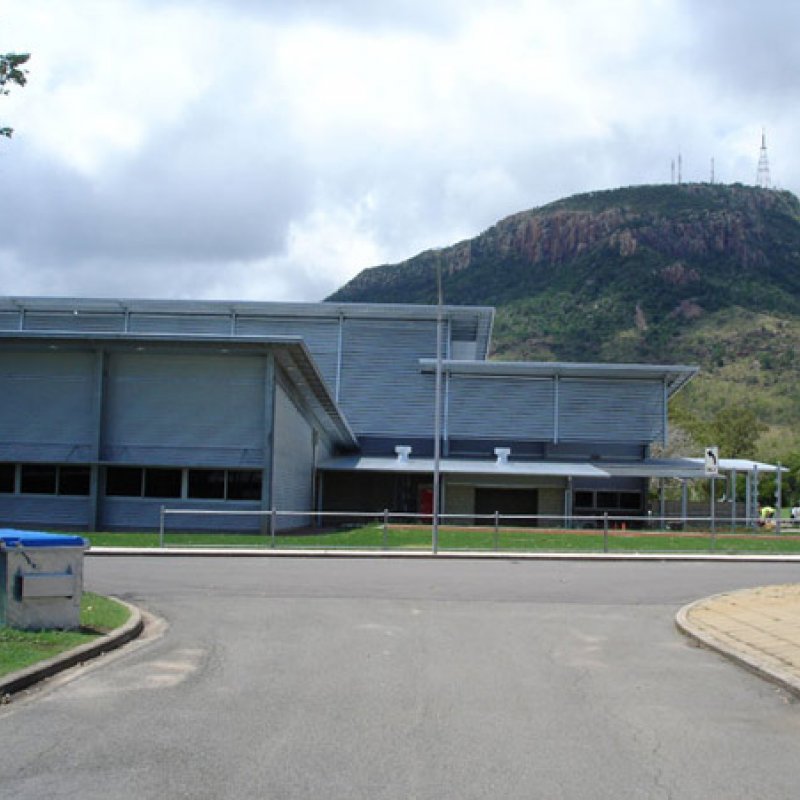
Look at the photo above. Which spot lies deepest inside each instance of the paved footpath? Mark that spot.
(758, 628)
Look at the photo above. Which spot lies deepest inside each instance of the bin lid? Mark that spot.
(10, 538)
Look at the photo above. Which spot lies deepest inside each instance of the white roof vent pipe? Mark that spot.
(403, 451)
(502, 454)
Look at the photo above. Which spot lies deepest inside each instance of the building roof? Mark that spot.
(473, 323)
(675, 376)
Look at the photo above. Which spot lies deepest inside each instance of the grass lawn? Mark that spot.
(19, 649)
(509, 539)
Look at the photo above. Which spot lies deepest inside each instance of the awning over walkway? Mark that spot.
(458, 466)
(677, 468)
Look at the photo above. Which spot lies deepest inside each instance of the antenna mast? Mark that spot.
(762, 176)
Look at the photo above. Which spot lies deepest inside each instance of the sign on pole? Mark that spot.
(712, 462)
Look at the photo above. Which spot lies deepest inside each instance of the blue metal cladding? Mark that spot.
(46, 406)
(45, 511)
(595, 410)
(95, 322)
(9, 320)
(217, 324)
(321, 335)
(293, 450)
(144, 513)
(500, 408)
(382, 390)
(184, 409)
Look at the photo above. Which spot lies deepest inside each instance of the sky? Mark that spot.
(272, 149)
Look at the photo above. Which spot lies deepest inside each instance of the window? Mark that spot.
(38, 479)
(162, 483)
(244, 484)
(7, 478)
(206, 484)
(74, 480)
(583, 500)
(630, 501)
(124, 481)
(607, 500)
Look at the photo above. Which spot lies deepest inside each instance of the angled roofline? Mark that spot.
(483, 316)
(675, 376)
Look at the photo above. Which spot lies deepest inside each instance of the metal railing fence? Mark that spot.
(385, 530)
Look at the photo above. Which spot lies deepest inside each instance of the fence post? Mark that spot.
(385, 528)
(161, 528)
(605, 531)
(272, 526)
(496, 530)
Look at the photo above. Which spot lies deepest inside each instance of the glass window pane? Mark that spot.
(6, 478)
(607, 500)
(583, 499)
(244, 484)
(630, 501)
(38, 479)
(207, 484)
(73, 479)
(124, 481)
(162, 483)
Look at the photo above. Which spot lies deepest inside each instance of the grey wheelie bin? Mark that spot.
(41, 579)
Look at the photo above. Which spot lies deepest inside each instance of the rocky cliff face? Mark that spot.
(682, 227)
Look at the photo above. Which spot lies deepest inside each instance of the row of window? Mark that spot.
(155, 482)
(608, 501)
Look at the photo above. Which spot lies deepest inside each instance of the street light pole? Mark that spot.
(437, 424)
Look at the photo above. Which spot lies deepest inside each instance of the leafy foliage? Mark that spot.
(12, 72)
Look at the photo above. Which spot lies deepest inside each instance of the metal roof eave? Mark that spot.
(452, 466)
(676, 375)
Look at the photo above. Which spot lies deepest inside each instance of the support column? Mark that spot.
(98, 402)
(684, 500)
(268, 441)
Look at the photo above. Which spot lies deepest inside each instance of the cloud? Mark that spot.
(272, 150)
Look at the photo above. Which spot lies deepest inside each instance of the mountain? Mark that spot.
(691, 273)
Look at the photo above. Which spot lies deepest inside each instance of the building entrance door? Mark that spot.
(508, 501)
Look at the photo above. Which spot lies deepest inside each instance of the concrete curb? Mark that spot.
(22, 679)
(762, 668)
(209, 552)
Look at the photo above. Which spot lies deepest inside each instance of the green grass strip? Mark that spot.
(20, 649)
(506, 539)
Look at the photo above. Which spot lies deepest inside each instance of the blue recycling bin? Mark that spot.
(41, 579)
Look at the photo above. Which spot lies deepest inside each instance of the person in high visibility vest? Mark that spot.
(767, 516)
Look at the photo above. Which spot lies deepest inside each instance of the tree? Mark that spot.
(734, 429)
(12, 72)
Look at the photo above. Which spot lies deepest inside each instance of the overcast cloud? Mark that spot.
(264, 149)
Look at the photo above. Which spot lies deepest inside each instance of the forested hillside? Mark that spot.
(694, 273)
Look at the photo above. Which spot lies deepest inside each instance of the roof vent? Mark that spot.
(403, 451)
(502, 454)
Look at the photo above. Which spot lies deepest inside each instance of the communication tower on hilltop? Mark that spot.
(762, 176)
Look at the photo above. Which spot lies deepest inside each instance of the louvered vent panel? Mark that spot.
(320, 335)
(500, 408)
(383, 391)
(46, 400)
(610, 411)
(188, 408)
(216, 324)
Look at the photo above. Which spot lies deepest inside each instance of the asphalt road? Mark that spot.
(309, 678)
